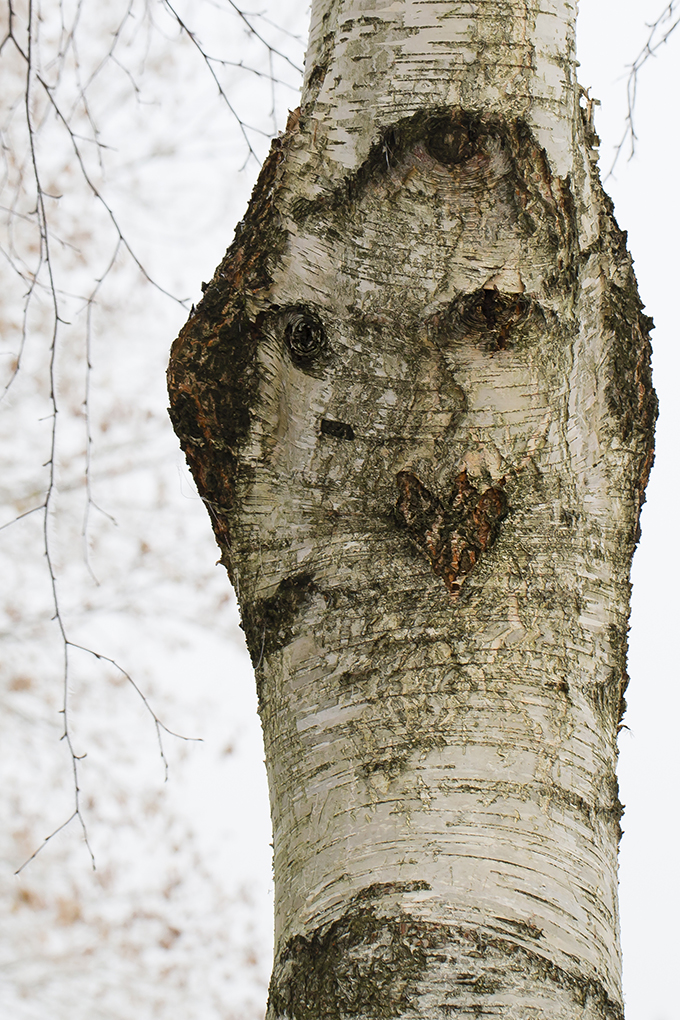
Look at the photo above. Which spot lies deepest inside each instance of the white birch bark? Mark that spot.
(416, 398)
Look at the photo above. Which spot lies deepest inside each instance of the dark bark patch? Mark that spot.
(629, 390)
(630, 393)
(452, 537)
(369, 965)
(569, 517)
(524, 928)
(316, 80)
(361, 965)
(305, 336)
(212, 385)
(452, 140)
(390, 765)
(489, 319)
(212, 376)
(270, 623)
(560, 686)
(605, 699)
(336, 429)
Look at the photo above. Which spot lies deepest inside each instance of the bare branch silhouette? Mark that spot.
(243, 127)
(45, 55)
(660, 32)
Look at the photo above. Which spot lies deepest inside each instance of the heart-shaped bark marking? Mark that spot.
(454, 537)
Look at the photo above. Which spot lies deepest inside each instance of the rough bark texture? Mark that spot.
(416, 399)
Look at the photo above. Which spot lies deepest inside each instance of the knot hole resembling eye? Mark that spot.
(450, 140)
(305, 335)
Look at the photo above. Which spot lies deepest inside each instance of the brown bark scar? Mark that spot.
(453, 538)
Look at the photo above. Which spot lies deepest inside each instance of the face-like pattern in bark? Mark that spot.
(409, 323)
(410, 345)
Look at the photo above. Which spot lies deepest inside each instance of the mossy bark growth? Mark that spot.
(416, 400)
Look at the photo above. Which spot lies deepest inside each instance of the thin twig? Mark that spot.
(665, 24)
(20, 517)
(253, 31)
(243, 127)
(45, 842)
(50, 494)
(160, 726)
(100, 198)
(89, 500)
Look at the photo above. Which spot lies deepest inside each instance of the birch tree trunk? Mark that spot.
(416, 399)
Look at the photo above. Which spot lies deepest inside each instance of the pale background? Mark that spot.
(176, 920)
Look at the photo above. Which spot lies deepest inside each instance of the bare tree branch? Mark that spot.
(243, 127)
(660, 32)
(42, 48)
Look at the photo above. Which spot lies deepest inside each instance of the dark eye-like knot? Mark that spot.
(305, 335)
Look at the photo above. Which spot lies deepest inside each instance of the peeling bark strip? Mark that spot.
(422, 371)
